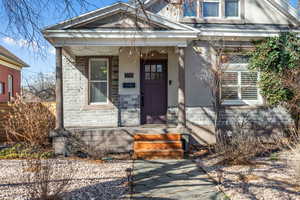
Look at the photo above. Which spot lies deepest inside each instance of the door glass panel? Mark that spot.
(147, 76)
(153, 75)
(153, 68)
(147, 68)
(159, 68)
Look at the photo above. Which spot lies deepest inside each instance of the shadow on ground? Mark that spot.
(171, 180)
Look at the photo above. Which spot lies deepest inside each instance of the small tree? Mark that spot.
(40, 87)
(278, 60)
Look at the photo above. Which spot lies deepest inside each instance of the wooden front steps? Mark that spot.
(158, 146)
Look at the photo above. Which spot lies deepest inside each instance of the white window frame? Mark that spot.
(1, 88)
(10, 85)
(239, 13)
(213, 1)
(98, 81)
(239, 68)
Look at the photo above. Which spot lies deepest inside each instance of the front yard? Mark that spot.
(266, 178)
(85, 179)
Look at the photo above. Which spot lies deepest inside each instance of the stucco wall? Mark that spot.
(255, 11)
(16, 74)
(171, 11)
(198, 64)
(258, 11)
(129, 63)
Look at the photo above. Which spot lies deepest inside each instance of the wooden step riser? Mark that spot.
(157, 137)
(159, 155)
(139, 146)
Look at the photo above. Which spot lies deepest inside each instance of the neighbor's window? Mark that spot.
(239, 86)
(10, 86)
(1, 88)
(98, 81)
(231, 8)
(211, 8)
(190, 8)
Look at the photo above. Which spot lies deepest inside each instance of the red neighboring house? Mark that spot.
(10, 74)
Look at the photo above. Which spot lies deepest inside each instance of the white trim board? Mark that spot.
(61, 42)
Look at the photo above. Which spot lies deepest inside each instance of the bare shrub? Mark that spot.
(237, 144)
(29, 122)
(46, 179)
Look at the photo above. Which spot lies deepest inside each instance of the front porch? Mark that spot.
(137, 86)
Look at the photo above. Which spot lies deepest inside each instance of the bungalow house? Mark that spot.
(10, 74)
(126, 69)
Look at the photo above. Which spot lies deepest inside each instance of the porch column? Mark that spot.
(59, 90)
(181, 89)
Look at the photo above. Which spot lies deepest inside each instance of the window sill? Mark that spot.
(99, 107)
(244, 104)
(244, 107)
(216, 20)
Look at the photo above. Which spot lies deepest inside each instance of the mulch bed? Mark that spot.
(266, 178)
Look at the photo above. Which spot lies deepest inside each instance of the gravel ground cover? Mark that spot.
(89, 179)
(267, 179)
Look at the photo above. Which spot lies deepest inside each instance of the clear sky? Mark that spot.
(45, 64)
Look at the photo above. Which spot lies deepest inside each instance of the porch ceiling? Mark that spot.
(92, 50)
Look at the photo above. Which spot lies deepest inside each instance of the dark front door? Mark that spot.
(153, 91)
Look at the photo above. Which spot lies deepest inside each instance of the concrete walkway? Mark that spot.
(171, 180)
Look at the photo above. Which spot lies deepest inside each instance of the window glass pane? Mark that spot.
(230, 78)
(98, 92)
(210, 9)
(1, 88)
(249, 93)
(231, 8)
(99, 70)
(189, 8)
(230, 93)
(10, 85)
(249, 78)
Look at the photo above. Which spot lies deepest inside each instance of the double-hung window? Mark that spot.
(1, 88)
(231, 8)
(211, 8)
(190, 8)
(238, 85)
(98, 81)
(10, 86)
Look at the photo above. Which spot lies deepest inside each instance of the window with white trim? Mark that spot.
(211, 8)
(1, 88)
(10, 86)
(98, 80)
(238, 85)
